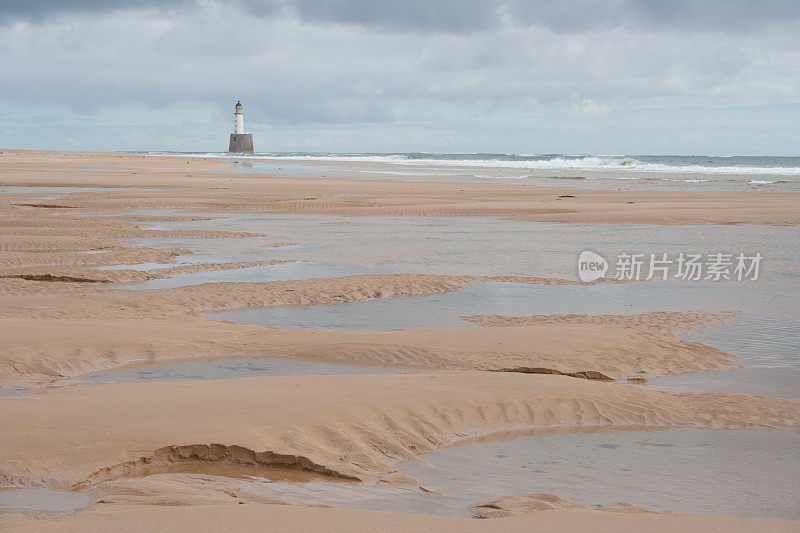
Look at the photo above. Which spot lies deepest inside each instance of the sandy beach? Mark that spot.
(222, 192)
(82, 235)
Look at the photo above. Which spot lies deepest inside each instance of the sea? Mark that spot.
(613, 171)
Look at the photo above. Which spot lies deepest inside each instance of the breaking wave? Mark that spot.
(712, 165)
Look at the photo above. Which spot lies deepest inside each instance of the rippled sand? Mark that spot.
(140, 445)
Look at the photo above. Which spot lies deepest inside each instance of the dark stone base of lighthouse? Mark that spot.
(241, 143)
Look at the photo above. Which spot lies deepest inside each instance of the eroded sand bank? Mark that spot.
(85, 434)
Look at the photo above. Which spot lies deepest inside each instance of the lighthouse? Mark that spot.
(241, 142)
(238, 119)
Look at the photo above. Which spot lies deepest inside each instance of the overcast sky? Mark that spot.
(651, 77)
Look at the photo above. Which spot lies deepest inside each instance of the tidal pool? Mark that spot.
(767, 334)
(683, 470)
(230, 368)
(774, 382)
(276, 272)
(39, 499)
(474, 245)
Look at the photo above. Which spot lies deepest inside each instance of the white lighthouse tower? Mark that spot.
(238, 119)
(241, 142)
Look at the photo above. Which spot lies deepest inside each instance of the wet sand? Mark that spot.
(292, 518)
(60, 320)
(204, 184)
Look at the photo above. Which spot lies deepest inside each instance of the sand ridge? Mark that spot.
(537, 502)
(77, 434)
(666, 321)
(18, 262)
(42, 349)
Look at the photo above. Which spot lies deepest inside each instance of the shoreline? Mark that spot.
(315, 195)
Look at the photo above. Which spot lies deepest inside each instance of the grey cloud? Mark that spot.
(415, 15)
(681, 15)
(38, 10)
(418, 15)
(458, 16)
